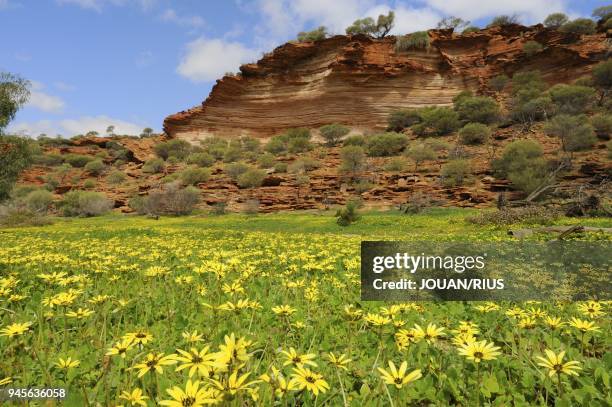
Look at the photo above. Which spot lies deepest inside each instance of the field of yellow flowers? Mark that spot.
(265, 310)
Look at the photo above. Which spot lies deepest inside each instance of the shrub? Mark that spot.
(50, 159)
(347, 215)
(116, 177)
(332, 133)
(200, 159)
(555, 20)
(317, 34)
(402, 119)
(528, 80)
(572, 99)
(386, 144)
(602, 123)
(234, 170)
(420, 152)
(362, 186)
(77, 160)
(303, 165)
(474, 133)
(530, 48)
(194, 175)
(250, 144)
(416, 203)
(219, 208)
(470, 29)
(504, 20)
(251, 207)
(579, 26)
(95, 167)
(179, 149)
(455, 172)
(531, 215)
(395, 164)
(416, 40)
(575, 132)
(280, 167)
(436, 144)
(356, 140)
(298, 145)
(153, 166)
(499, 82)
(532, 109)
(602, 74)
(85, 203)
(39, 201)
(232, 154)
(441, 120)
(368, 26)
(353, 159)
(266, 160)
(603, 12)
(18, 216)
(172, 199)
(275, 146)
(297, 133)
(522, 163)
(480, 109)
(21, 191)
(89, 184)
(251, 178)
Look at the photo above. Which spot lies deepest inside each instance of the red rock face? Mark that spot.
(358, 81)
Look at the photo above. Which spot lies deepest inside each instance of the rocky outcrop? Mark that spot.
(357, 80)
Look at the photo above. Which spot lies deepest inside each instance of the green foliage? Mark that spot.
(333, 133)
(14, 93)
(522, 162)
(499, 82)
(470, 29)
(304, 164)
(353, 159)
(200, 159)
(401, 119)
(172, 199)
(416, 40)
(419, 152)
(232, 154)
(453, 22)
(362, 186)
(555, 20)
(439, 121)
(280, 167)
(530, 215)
(579, 26)
(250, 144)
(21, 191)
(85, 203)
(89, 184)
(39, 201)
(77, 160)
(176, 148)
(15, 156)
(349, 214)
(395, 164)
(234, 170)
(602, 74)
(266, 160)
(276, 145)
(194, 175)
(153, 166)
(299, 145)
(575, 132)
(146, 132)
(529, 103)
(504, 20)
(474, 133)
(455, 172)
(49, 159)
(95, 167)
(355, 140)
(251, 178)
(116, 177)
(317, 34)
(480, 109)
(603, 12)
(602, 123)
(367, 26)
(530, 48)
(572, 99)
(386, 144)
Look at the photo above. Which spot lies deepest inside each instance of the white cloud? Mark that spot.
(408, 19)
(187, 21)
(72, 127)
(64, 87)
(44, 101)
(208, 59)
(97, 5)
(86, 4)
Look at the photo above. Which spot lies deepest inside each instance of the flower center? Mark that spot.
(478, 355)
(310, 379)
(398, 380)
(188, 401)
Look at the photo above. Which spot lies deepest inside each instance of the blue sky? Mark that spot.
(130, 63)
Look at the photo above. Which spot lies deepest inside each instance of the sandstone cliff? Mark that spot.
(357, 80)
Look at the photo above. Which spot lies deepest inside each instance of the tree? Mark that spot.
(453, 22)
(441, 120)
(367, 26)
(522, 163)
(400, 119)
(481, 109)
(499, 82)
(420, 152)
(575, 132)
(353, 159)
(555, 20)
(91, 133)
(474, 133)
(332, 133)
(110, 130)
(602, 78)
(416, 40)
(530, 48)
(14, 93)
(317, 34)
(146, 132)
(572, 99)
(504, 20)
(579, 26)
(604, 12)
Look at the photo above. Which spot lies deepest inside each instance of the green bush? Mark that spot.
(416, 40)
(333, 133)
(304, 164)
(116, 177)
(499, 82)
(172, 199)
(251, 178)
(603, 12)
(194, 175)
(439, 120)
(49, 160)
(280, 167)
(89, 184)
(419, 152)
(602, 74)
(298, 145)
(579, 26)
(555, 20)
(474, 133)
(347, 215)
(575, 132)
(21, 191)
(402, 119)
(39, 201)
(528, 80)
(362, 186)
(275, 146)
(503, 20)
(479, 109)
(530, 48)
(234, 170)
(250, 144)
(455, 172)
(356, 140)
(470, 29)
(395, 164)
(317, 34)
(200, 159)
(352, 159)
(77, 160)
(602, 123)
(522, 162)
(85, 203)
(531, 110)
(153, 166)
(266, 160)
(176, 148)
(572, 99)
(95, 167)
(386, 144)
(232, 154)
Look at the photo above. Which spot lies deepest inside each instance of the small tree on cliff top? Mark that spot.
(367, 26)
